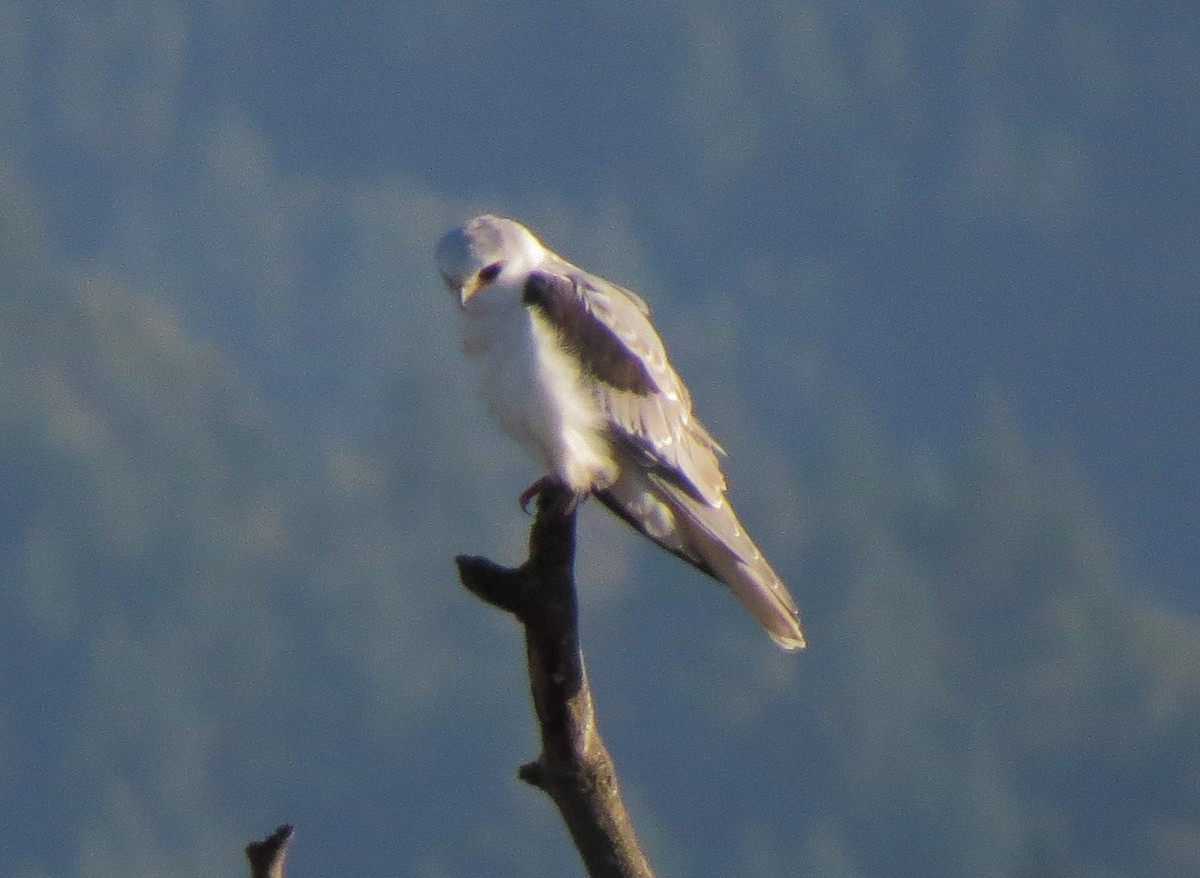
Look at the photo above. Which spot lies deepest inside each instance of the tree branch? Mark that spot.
(575, 768)
(268, 857)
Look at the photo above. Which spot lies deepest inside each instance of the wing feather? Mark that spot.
(608, 329)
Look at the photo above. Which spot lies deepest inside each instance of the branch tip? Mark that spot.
(495, 584)
(268, 856)
(533, 774)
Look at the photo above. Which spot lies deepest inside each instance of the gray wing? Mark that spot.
(608, 329)
(673, 491)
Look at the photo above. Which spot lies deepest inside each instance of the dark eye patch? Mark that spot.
(489, 273)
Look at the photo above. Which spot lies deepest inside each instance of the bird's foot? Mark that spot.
(534, 490)
(546, 483)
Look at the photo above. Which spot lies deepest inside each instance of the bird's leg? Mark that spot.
(544, 483)
(576, 498)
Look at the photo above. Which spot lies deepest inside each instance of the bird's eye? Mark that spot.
(489, 273)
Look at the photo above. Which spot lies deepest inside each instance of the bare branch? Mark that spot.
(575, 768)
(268, 857)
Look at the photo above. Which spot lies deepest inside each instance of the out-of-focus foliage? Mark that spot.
(208, 627)
(238, 449)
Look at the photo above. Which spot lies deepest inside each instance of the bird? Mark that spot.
(570, 366)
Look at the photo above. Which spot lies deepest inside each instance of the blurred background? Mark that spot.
(930, 270)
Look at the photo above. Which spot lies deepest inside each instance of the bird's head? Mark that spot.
(488, 251)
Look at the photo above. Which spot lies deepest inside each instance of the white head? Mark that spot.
(484, 252)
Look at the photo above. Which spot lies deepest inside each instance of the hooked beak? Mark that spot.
(461, 291)
(466, 291)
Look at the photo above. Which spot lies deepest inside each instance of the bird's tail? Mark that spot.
(711, 539)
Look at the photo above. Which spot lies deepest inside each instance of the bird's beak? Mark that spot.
(462, 291)
(466, 291)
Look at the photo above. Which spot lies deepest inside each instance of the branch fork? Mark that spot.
(574, 768)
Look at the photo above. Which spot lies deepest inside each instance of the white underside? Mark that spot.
(532, 389)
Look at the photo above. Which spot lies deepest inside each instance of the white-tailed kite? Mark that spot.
(572, 369)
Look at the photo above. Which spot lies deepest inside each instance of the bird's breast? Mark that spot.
(534, 391)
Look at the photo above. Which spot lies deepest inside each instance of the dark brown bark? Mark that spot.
(268, 857)
(574, 768)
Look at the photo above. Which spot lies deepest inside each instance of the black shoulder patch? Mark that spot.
(600, 351)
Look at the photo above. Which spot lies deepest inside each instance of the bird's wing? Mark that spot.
(671, 487)
(711, 538)
(607, 329)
